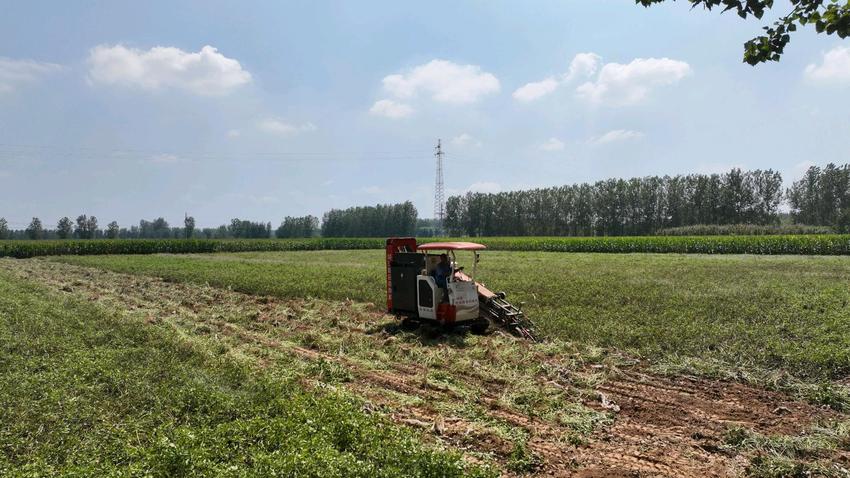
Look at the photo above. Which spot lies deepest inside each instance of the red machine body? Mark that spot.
(412, 290)
(412, 293)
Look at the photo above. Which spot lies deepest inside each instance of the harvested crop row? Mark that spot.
(811, 244)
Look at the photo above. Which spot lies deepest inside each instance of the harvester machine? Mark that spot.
(426, 284)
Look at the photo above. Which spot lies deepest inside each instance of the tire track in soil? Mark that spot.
(665, 426)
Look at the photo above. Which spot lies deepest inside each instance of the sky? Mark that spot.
(261, 110)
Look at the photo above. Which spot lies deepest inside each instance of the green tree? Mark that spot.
(4, 228)
(825, 16)
(112, 230)
(822, 197)
(64, 228)
(803, 197)
(305, 226)
(382, 220)
(240, 228)
(92, 227)
(623, 207)
(35, 230)
(189, 226)
(82, 229)
(86, 227)
(158, 228)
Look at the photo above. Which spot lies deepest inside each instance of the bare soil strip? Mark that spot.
(552, 409)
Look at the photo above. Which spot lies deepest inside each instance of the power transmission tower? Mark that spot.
(439, 191)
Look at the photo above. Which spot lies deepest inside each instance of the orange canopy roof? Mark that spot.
(456, 246)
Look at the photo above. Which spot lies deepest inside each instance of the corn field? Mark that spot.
(808, 244)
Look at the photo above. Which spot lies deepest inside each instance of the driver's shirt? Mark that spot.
(442, 273)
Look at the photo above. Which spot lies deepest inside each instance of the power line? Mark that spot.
(9, 150)
(137, 150)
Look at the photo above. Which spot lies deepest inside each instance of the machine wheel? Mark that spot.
(480, 326)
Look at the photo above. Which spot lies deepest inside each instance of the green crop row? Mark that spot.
(827, 244)
(808, 244)
(24, 249)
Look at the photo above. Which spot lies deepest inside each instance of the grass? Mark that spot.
(85, 391)
(779, 313)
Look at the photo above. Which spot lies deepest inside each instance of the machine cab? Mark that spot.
(412, 289)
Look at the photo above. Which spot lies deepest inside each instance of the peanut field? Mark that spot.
(254, 363)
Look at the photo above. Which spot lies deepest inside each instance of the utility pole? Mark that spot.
(439, 190)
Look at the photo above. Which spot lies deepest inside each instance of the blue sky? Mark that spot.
(259, 110)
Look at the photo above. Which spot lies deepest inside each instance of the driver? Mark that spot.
(442, 273)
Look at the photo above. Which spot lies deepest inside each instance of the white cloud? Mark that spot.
(465, 139)
(484, 187)
(373, 190)
(617, 135)
(584, 65)
(14, 73)
(552, 144)
(535, 90)
(4, 174)
(444, 81)
(233, 133)
(391, 109)
(835, 67)
(611, 83)
(206, 72)
(280, 127)
(621, 85)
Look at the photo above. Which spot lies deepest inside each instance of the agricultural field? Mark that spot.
(328, 239)
(653, 365)
(770, 312)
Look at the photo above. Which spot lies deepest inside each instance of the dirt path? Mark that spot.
(553, 409)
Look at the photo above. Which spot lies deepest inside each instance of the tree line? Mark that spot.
(304, 226)
(371, 221)
(617, 207)
(613, 207)
(822, 197)
(86, 227)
